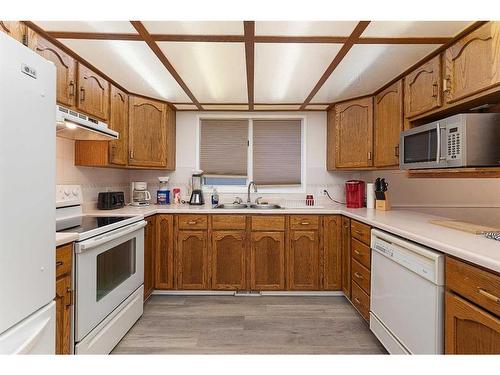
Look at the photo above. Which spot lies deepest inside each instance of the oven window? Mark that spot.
(114, 267)
(420, 147)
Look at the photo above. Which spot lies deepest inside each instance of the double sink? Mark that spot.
(252, 206)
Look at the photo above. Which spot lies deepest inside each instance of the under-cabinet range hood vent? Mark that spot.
(75, 125)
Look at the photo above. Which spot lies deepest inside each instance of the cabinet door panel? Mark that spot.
(388, 125)
(332, 242)
(147, 133)
(63, 315)
(267, 261)
(330, 140)
(473, 63)
(15, 29)
(192, 260)
(303, 260)
(469, 329)
(228, 260)
(118, 121)
(346, 256)
(65, 67)
(149, 253)
(93, 93)
(354, 133)
(423, 88)
(164, 256)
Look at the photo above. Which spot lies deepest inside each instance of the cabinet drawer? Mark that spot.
(360, 231)
(361, 253)
(192, 221)
(63, 259)
(228, 222)
(475, 284)
(361, 301)
(304, 222)
(268, 223)
(361, 276)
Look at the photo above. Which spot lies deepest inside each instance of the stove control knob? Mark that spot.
(75, 192)
(66, 192)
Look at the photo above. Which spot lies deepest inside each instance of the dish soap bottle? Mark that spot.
(215, 197)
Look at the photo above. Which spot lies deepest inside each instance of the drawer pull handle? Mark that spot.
(304, 223)
(192, 222)
(488, 295)
(358, 275)
(357, 252)
(59, 263)
(356, 299)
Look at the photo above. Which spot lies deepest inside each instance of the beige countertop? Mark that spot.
(408, 224)
(64, 238)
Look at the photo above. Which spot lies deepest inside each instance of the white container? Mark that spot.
(370, 196)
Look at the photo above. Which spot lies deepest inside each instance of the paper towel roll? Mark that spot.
(370, 196)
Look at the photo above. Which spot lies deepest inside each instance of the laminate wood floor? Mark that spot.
(249, 325)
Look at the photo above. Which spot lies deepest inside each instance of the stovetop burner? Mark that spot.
(89, 223)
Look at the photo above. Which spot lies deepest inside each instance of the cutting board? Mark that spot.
(463, 226)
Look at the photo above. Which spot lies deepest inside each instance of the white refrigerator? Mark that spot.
(27, 200)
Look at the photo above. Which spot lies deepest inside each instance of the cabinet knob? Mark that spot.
(396, 151)
(357, 252)
(192, 222)
(304, 223)
(358, 275)
(434, 90)
(131, 153)
(369, 155)
(488, 295)
(71, 88)
(82, 94)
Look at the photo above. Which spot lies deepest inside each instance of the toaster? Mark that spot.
(110, 200)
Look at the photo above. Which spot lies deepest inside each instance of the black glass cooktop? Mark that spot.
(89, 223)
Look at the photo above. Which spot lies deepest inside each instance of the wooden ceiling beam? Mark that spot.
(358, 30)
(249, 28)
(143, 32)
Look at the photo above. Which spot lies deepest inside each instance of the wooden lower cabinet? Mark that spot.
(469, 329)
(346, 256)
(267, 261)
(64, 299)
(149, 253)
(332, 253)
(228, 255)
(164, 255)
(191, 256)
(303, 260)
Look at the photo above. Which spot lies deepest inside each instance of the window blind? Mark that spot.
(277, 152)
(223, 147)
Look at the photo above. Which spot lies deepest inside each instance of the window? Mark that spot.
(269, 151)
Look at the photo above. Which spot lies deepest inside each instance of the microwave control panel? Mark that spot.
(453, 143)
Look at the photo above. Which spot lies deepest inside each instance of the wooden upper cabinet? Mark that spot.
(228, 260)
(15, 29)
(303, 260)
(330, 140)
(192, 260)
(472, 64)
(93, 93)
(267, 261)
(332, 253)
(388, 124)
(423, 88)
(354, 133)
(164, 256)
(149, 253)
(65, 67)
(118, 121)
(147, 133)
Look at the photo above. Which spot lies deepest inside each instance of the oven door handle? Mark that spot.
(97, 241)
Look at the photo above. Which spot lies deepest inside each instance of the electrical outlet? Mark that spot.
(321, 192)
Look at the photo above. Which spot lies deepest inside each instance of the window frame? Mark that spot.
(265, 188)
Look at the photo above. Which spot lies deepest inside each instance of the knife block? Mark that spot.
(383, 205)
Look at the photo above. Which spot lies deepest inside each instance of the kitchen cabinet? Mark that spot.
(303, 260)
(267, 260)
(346, 256)
(63, 299)
(164, 255)
(118, 121)
(151, 134)
(472, 64)
(388, 124)
(149, 253)
(93, 93)
(15, 29)
(192, 260)
(360, 267)
(332, 253)
(330, 140)
(228, 259)
(354, 133)
(423, 88)
(65, 68)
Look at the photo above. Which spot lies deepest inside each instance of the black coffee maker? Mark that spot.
(197, 186)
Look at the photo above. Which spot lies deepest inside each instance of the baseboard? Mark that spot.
(284, 293)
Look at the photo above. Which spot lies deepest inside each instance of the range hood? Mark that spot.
(75, 125)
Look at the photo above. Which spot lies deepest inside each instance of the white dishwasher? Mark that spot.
(406, 306)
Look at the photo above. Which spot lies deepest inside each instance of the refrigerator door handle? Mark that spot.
(30, 342)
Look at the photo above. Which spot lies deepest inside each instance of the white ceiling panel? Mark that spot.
(287, 72)
(214, 72)
(131, 64)
(366, 68)
(88, 26)
(195, 27)
(404, 29)
(304, 28)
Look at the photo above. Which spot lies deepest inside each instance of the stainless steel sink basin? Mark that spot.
(265, 206)
(231, 206)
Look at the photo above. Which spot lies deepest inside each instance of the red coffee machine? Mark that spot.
(355, 194)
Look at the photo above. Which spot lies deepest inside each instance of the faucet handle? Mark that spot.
(257, 200)
(238, 200)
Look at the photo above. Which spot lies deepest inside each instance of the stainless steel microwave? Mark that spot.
(463, 140)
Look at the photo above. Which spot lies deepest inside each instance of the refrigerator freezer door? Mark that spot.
(34, 335)
(27, 188)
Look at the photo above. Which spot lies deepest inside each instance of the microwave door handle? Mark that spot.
(438, 147)
(93, 243)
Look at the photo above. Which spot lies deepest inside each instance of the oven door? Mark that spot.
(423, 147)
(109, 268)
